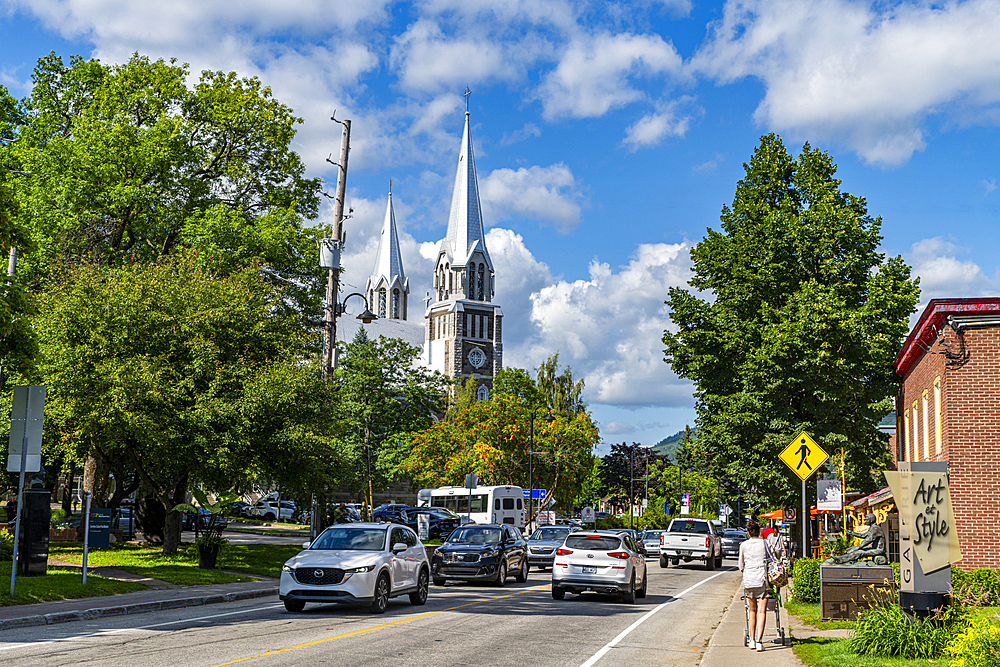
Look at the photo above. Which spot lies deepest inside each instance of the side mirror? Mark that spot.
(306, 545)
(399, 546)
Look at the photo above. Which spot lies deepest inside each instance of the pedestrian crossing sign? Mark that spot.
(803, 456)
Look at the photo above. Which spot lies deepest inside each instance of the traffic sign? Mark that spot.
(803, 456)
(587, 514)
(26, 417)
(537, 494)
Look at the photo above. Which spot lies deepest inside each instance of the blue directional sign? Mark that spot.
(537, 494)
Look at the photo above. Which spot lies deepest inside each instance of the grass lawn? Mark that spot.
(809, 613)
(833, 652)
(59, 585)
(261, 559)
(181, 569)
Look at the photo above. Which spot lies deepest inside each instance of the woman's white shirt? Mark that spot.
(751, 563)
(777, 547)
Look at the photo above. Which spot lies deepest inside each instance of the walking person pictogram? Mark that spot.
(804, 452)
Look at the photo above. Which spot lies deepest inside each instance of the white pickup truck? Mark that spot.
(691, 539)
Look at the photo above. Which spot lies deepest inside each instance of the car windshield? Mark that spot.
(593, 542)
(550, 534)
(447, 512)
(651, 535)
(353, 539)
(734, 535)
(689, 527)
(476, 535)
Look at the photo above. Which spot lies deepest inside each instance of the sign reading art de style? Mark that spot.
(924, 501)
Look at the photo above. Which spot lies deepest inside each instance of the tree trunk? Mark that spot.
(67, 499)
(172, 525)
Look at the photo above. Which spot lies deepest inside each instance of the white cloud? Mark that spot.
(990, 184)
(549, 194)
(666, 121)
(867, 75)
(943, 275)
(595, 71)
(529, 130)
(609, 328)
(617, 427)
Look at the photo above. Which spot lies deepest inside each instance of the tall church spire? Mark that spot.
(465, 224)
(388, 287)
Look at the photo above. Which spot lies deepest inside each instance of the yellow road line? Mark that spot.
(380, 627)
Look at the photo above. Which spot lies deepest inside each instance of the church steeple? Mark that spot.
(388, 287)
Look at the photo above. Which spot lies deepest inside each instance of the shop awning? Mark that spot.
(776, 514)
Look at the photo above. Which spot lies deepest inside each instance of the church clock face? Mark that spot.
(477, 358)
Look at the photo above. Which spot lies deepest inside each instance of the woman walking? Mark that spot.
(752, 563)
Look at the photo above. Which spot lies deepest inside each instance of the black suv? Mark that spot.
(481, 552)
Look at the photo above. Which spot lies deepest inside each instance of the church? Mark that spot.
(462, 325)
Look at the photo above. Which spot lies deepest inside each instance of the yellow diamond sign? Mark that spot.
(803, 455)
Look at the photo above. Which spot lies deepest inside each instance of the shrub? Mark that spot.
(978, 646)
(6, 545)
(58, 516)
(983, 583)
(885, 630)
(805, 576)
(610, 523)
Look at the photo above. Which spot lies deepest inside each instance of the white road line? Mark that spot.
(611, 644)
(104, 633)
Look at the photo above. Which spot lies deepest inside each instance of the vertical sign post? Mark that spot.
(27, 411)
(86, 535)
(804, 456)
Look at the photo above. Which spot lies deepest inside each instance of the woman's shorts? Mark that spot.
(757, 592)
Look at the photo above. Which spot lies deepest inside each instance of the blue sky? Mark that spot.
(608, 136)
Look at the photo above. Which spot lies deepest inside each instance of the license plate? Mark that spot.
(684, 553)
(590, 570)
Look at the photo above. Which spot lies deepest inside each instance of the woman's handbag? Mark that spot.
(777, 572)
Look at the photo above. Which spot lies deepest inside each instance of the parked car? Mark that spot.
(389, 513)
(388, 508)
(357, 563)
(268, 510)
(571, 523)
(124, 521)
(689, 540)
(240, 509)
(599, 562)
(731, 541)
(651, 542)
(204, 520)
(481, 552)
(442, 523)
(542, 545)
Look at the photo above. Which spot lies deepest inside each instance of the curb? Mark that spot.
(139, 608)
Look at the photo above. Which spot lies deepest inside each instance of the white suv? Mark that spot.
(268, 510)
(357, 562)
(600, 562)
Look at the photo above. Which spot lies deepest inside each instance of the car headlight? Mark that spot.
(492, 554)
(366, 568)
(286, 568)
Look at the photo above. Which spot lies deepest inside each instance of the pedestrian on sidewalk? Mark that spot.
(752, 563)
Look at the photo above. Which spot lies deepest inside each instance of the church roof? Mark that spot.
(465, 224)
(388, 259)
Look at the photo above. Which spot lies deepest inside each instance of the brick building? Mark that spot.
(948, 409)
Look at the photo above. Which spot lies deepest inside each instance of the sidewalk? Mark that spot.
(726, 646)
(82, 609)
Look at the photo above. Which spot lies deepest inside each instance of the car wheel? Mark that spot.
(558, 593)
(522, 575)
(710, 562)
(663, 561)
(439, 581)
(420, 596)
(381, 600)
(269, 517)
(628, 597)
(501, 574)
(718, 561)
(641, 593)
(294, 606)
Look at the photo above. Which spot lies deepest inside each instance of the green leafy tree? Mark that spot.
(559, 391)
(799, 324)
(128, 163)
(517, 382)
(187, 376)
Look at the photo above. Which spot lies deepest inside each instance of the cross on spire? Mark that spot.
(467, 93)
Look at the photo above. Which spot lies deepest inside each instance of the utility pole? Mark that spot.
(333, 273)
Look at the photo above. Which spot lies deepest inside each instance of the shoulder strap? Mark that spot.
(768, 554)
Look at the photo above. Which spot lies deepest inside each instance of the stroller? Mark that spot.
(773, 602)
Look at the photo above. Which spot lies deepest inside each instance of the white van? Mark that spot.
(490, 504)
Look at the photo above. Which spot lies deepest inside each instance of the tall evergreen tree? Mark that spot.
(800, 321)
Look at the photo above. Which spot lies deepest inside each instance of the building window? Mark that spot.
(482, 393)
(927, 430)
(916, 433)
(482, 270)
(906, 436)
(381, 302)
(937, 414)
(450, 279)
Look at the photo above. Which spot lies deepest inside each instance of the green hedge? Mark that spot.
(983, 584)
(805, 584)
(978, 646)
(610, 523)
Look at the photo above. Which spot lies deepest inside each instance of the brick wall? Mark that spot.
(970, 434)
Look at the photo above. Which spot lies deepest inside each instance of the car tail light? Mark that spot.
(619, 554)
(563, 552)
(708, 543)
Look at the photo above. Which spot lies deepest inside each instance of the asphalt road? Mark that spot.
(517, 625)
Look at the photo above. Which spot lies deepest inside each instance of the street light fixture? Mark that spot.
(531, 466)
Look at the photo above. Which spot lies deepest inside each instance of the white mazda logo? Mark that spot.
(318, 574)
